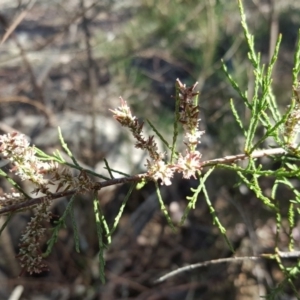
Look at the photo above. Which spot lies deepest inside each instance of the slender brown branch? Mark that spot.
(54, 196)
(99, 185)
(17, 21)
(38, 105)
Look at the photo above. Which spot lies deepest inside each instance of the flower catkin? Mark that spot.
(189, 163)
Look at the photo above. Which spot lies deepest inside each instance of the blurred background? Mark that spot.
(65, 63)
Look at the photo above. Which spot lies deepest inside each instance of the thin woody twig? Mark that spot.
(205, 264)
(23, 99)
(284, 255)
(293, 254)
(36, 88)
(233, 158)
(137, 178)
(17, 21)
(98, 186)
(91, 77)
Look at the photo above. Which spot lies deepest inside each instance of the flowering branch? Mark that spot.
(188, 164)
(137, 178)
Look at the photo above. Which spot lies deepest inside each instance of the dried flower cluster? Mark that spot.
(30, 255)
(292, 125)
(188, 164)
(68, 181)
(25, 164)
(15, 148)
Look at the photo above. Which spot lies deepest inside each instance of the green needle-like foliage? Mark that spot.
(266, 132)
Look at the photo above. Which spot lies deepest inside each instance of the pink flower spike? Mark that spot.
(189, 164)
